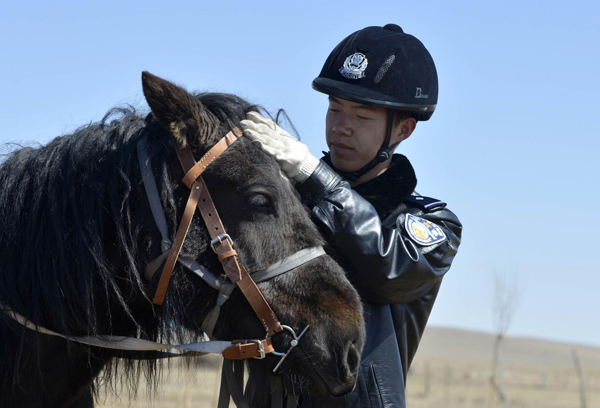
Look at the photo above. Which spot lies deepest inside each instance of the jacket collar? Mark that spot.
(386, 191)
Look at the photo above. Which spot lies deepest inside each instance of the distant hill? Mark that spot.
(446, 343)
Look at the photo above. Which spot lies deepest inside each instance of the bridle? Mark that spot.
(223, 245)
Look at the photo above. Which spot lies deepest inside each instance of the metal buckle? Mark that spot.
(261, 348)
(220, 239)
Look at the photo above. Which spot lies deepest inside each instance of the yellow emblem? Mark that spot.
(423, 232)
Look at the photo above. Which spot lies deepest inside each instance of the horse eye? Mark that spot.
(259, 201)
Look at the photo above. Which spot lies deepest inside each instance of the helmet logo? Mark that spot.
(354, 66)
(420, 94)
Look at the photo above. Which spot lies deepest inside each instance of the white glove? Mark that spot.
(293, 156)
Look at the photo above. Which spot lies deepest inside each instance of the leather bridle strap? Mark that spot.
(221, 243)
(232, 266)
(186, 220)
(193, 171)
(236, 350)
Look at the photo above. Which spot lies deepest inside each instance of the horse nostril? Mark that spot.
(347, 373)
(352, 359)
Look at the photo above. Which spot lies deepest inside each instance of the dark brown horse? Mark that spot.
(77, 232)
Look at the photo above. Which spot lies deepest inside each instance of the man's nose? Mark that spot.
(341, 126)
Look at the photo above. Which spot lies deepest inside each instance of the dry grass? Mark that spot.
(447, 383)
(451, 370)
(180, 387)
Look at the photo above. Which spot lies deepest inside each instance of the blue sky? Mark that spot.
(513, 146)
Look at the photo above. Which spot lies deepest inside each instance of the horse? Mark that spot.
(78, 232)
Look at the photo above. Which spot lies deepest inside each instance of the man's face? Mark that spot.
(354, 133)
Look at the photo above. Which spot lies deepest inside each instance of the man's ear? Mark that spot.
(403, 131)
(177, 111)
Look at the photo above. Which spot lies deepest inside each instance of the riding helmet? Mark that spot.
(382, 66)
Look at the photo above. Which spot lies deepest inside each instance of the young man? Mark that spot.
(395, 244)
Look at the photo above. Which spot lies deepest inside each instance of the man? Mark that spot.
(395, 244)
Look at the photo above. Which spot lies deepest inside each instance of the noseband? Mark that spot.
(222, 245)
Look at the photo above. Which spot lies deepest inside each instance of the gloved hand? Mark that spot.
(293, 156)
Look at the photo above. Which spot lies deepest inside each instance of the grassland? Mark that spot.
(451, 370)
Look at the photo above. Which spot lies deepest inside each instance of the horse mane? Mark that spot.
(70, 234)
(54, 202)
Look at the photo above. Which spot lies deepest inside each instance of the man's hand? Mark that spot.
(293, 156)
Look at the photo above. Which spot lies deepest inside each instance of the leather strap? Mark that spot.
(186, 220)
(232, 385)
(196, 169)
(241, 351)
(188, 162)
(276, 391)
(233, 268)
(152, 189)
(285, 265)
(226, 255)
(258, 302)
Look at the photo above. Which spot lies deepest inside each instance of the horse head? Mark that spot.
(261, 210)
(79, 234)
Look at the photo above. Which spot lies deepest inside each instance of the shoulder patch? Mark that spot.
(422, 231)
(423, 203)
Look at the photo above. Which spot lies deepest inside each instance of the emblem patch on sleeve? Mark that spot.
(423, 232)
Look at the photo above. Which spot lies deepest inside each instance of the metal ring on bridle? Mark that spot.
(293, 344)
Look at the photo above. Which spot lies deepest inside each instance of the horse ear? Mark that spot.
(176, 110)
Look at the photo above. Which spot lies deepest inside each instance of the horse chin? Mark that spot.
(328, 388)
(317, 383)
(318, 387)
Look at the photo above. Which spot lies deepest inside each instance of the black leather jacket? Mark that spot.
(397, 278)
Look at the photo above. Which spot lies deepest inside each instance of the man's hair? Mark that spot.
(400, 115)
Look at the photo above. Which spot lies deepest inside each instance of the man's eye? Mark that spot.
(259, 201)
(363, 117)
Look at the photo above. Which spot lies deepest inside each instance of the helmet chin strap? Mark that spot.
(383, 154)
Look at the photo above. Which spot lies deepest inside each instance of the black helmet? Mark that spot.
(382, 66)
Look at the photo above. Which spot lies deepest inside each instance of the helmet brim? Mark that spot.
(359, 94)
